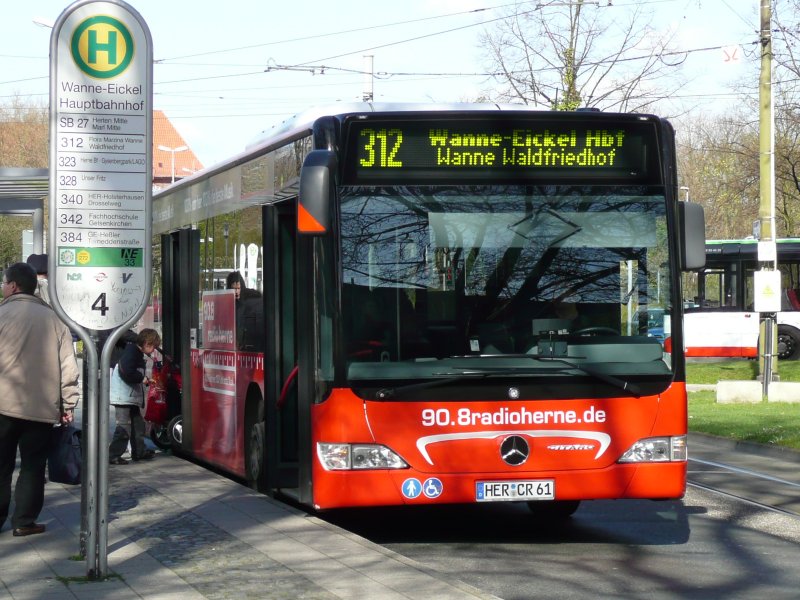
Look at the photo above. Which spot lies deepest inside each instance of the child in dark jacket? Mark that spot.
(127, 394)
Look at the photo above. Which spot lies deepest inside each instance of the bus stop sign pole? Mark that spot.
(101, 165)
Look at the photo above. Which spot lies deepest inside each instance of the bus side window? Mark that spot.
(716, 290)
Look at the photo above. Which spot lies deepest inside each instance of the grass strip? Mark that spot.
(776, 423)
(736, 370)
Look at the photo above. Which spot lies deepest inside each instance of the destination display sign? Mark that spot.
(101, 162)
(519, 148)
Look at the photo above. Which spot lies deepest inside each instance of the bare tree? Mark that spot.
(786, 40)
(565, 55)
(786, 77)
(718, 162)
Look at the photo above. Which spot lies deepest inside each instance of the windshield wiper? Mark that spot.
(386, 393)
(627, 386)
(622, 384)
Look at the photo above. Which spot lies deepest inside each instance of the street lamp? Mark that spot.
(173, 151)
(225, 233)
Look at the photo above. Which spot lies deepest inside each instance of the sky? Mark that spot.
(225, 75)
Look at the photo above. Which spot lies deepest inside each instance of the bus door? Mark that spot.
(282, 411)
(180, 253)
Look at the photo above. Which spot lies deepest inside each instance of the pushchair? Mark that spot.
(163, 406)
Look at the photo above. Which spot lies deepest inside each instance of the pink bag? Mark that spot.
(155, 407)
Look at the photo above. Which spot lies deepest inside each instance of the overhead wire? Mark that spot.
(335, 33)
(384, 74)
(328, 68)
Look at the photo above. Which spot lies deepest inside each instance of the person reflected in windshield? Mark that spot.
(570, 317)
(567, 311)
(561, 316)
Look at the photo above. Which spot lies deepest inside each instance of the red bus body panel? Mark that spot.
(220, 380)
(574, 442)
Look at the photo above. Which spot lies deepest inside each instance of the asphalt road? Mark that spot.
(712, 544)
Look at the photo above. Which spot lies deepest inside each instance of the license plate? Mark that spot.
(512, 491)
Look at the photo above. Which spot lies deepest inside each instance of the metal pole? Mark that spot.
(767, 179)
(38, 230)
(102, 435)
(369, 78)
(91, 439)
(768, 335)
(226, 233)
(85, 454)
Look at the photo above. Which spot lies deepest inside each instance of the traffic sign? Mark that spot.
(101, 57)
(767, 290)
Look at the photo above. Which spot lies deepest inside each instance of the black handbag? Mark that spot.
(64, 458)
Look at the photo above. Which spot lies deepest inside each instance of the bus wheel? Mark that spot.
(159, 433)
(255, 454)
(554, 509)
(788, 343)
(175, 432)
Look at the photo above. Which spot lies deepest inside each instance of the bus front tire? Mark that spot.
(788, 343)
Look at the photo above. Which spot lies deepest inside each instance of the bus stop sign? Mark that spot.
(101, 163)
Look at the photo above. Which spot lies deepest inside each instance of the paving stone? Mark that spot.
(213, 561)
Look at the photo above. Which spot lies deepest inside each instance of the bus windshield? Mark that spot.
(443, 281)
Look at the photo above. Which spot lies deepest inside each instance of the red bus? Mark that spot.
(440, 307)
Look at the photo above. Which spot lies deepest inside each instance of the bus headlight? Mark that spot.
(345, 457)
(657, 449)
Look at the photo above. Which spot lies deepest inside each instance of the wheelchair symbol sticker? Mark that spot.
(412, 488)
(432, 488)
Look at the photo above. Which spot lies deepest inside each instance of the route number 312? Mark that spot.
(382, 147)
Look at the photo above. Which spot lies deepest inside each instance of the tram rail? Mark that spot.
(761, 476)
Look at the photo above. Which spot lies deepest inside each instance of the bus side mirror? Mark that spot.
(693, 236)
(316, 193)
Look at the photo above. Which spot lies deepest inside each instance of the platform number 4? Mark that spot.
(100, 304)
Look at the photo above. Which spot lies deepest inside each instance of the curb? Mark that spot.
(700, 387)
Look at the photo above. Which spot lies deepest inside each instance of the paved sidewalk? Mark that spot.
(177, 531)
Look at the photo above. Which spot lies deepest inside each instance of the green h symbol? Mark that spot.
(110, 46)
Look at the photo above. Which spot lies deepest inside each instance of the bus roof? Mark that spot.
(302, 123)
(751, 240)
(722, 250)
(305, 119)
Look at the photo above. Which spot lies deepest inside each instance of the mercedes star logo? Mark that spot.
(514, 450)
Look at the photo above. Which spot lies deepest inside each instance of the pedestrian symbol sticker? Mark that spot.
(412, 488)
